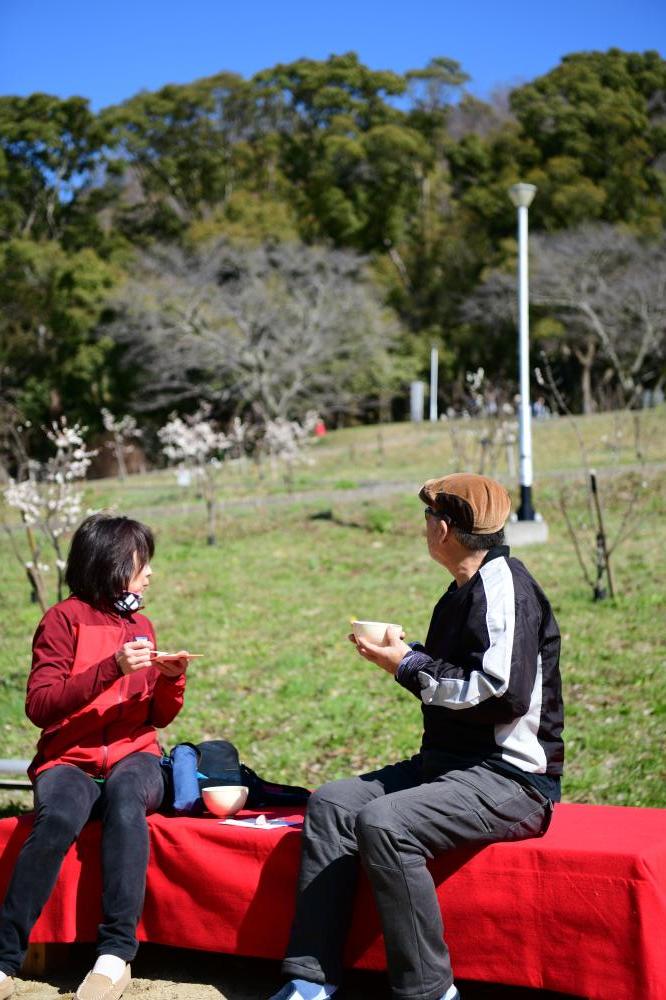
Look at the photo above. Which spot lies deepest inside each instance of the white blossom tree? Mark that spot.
(284, 440)
(123, 431)
(192, 442)
(49, 500)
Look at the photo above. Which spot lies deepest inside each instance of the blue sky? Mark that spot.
(107, 51)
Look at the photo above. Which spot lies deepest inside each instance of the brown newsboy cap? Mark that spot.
(476, 504)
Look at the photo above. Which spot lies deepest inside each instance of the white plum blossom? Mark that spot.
(122, 429)
(46, 498)
(239, 437)
(48, 501)
(127, 425)
(193, 443)
(284, 440)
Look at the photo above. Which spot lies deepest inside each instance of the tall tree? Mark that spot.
(589, 134)
(51, 361)
(349, 153)
(50, 153)
(598, 122)
(180, 151)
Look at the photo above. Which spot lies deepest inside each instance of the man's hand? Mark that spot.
(134, 656)
(388, 655)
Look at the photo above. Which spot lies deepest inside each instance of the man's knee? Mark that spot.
(331, 807)
(386, 837)
(376, 823)
(332, 795)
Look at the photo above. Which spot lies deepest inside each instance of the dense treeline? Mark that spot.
(266, 199)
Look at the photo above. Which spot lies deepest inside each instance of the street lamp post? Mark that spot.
(521, 195)
(434, 362)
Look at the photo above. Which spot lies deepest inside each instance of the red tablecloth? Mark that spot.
(581, 911)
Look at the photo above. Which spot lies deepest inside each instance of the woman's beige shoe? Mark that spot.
(96, 987)
(7, 987)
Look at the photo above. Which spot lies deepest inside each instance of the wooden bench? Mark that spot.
(9, 771)
(581, 911)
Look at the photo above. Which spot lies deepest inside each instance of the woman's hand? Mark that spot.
(172, 667)
(134, 655)
(387, 656)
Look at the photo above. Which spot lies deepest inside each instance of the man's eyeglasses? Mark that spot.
(430, 512)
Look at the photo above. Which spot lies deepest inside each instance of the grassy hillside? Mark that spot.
(270, 605)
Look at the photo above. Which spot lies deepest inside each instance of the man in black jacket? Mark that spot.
(488, 770)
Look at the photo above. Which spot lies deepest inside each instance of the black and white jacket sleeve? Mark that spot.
(485, 655)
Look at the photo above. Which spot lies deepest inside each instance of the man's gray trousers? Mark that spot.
(394, 820)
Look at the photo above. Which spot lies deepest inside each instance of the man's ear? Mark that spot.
(445, 530)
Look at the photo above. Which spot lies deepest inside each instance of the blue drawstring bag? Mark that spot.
(184, 778)
(190, 768)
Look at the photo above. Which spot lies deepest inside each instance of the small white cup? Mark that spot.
(373, 631)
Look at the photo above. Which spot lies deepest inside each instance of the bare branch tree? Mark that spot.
(608, 290)
(269, 332)
(601, 548)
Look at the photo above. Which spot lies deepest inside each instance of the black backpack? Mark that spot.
(192, 767)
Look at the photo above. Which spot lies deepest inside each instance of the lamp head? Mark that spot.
(522, 194)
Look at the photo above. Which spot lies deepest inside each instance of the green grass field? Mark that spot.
(270, 606)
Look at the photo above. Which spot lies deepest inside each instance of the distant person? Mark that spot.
(540, 409)
(488, 770)
(98, 693)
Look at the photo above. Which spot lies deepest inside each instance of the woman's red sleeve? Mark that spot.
(53, 693)
(167, 700)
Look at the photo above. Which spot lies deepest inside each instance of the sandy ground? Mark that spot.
(171, 974)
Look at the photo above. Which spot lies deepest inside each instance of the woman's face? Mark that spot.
(141, 578)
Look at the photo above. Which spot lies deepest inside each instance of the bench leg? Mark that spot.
(43, 958)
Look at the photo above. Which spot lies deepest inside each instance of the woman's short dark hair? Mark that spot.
(100, 564)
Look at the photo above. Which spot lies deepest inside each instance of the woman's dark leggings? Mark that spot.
(65, 797)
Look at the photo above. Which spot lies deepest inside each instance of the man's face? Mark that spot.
(436, 531)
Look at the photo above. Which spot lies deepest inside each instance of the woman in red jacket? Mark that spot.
(98, 693)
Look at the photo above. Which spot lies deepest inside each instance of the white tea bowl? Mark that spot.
(224, 800)
(373, 631)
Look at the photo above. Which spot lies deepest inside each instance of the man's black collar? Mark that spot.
(495, 553)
